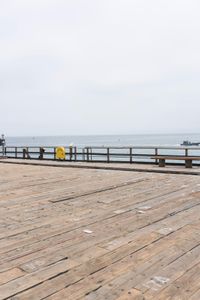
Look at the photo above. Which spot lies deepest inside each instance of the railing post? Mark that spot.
(15, 152)
(88, 157)
(54, 153)
(186, 152)
(27, 153)
(75, 153)
(24, 153)
(83, 154)
(131, 153)
(156, 154)
(108, 155)
(70, 152)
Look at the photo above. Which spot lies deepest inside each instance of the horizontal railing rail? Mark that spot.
(121, 154)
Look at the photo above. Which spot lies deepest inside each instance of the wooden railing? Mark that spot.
(131, 154)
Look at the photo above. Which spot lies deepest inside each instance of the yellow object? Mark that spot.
(60, 153)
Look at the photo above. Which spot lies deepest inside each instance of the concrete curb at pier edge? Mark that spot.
(99, 167)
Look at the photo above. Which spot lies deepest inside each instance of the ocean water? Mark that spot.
(104, 140)
(164, 140)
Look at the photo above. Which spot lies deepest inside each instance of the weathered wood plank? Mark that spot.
(89, 234)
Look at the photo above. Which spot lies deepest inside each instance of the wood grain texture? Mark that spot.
(72, 234)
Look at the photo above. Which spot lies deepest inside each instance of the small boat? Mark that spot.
(188, 143)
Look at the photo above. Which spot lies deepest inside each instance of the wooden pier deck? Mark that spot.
(69, 234)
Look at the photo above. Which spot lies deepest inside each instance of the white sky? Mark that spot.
(99, 66)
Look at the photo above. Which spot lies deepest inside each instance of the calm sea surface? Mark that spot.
(108, 140)
(103, 140)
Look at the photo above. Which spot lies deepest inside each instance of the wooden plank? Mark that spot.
(17, 285)
(10, 275)
(131, 294)
(114, 235)
(173, 157)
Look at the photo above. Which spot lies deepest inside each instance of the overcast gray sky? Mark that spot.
(99, 66)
